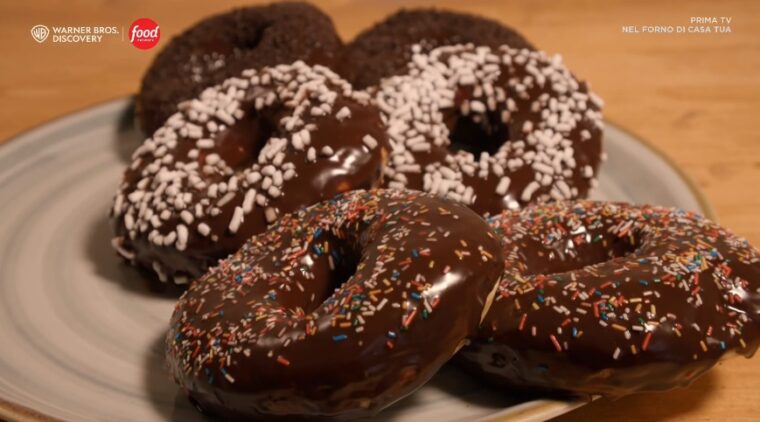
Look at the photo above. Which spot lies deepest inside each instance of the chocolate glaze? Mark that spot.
(385, 49)
(491, 117)
(222, 46)
(274, 331)
(608, 298)
(241, 149)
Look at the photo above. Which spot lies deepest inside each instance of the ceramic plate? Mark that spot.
(82, 334)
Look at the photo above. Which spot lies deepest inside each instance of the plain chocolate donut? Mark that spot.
(222, 46)
(493, 128)
(610, 298)
(385, 49)
(339, 309)
(230, 161)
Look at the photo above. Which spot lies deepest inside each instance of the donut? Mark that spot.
(222, 46)
(233, 159)
(493, 128)
(339, 309)
(385, 49)
(610, 298)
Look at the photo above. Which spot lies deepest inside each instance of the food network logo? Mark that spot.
(144, 33)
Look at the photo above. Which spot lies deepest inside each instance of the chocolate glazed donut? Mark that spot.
(232, 160)
(222, 46)
(493, 128)
(385, 49)
(614, 299)
(272, 332)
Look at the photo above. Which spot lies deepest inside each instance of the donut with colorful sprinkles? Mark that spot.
(339, 309)
(229, 162)
(494, 128)
(610, 298)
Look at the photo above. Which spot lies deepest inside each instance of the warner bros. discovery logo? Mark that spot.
(40, 33)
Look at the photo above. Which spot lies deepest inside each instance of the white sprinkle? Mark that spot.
(212, 159)
(229, 196)
(529, 190)
(160, 272)
(182, 236)
(477, 107)
(421, 147)
(204, 229)
(170, 238)
(117, 242)
(129, 221)
(305, 137)
(204, 143)
(266, 183)
(527, 126)
(503, 186)
(564, 189)
(253, 177)
(237, 220)
(249, 201)
(270, 214)
(136, 196)
(343, 113)
(261, 200)
(543, 168)
(186, 216)
(274, 191)
(225, 117)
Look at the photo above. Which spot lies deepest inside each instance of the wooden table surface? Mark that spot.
(694, 96)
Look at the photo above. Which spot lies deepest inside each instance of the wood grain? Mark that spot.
(694, 97)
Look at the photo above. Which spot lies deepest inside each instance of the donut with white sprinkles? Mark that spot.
(232, 160)
(610, 298)
(493, 128)
(339, 309)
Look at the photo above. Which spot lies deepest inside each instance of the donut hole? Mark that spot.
(252, 37)
(478, 133)
(576, 252)
(240, 144)
(341, 262)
